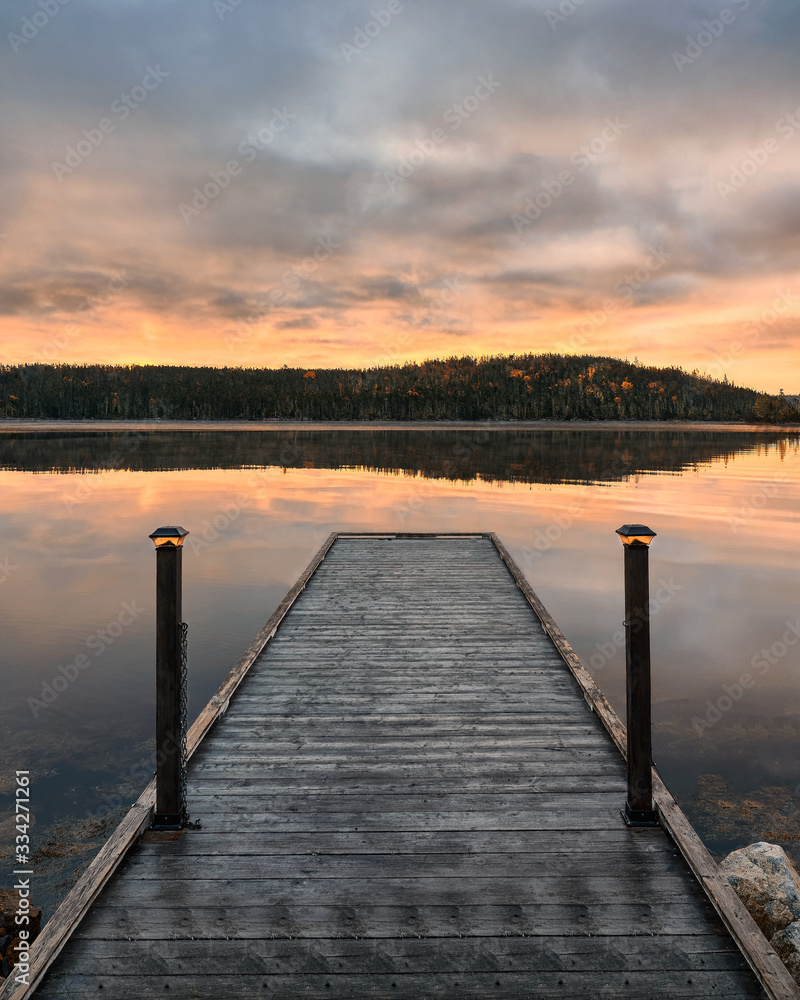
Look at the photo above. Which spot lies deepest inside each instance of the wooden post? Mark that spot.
(638, 809)
(170, 811)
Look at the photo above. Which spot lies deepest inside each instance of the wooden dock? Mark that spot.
(414, 792)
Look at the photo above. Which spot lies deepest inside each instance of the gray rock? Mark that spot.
(787, 944)
(767, 884)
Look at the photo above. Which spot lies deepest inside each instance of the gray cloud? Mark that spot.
(353, 122)
(301, 323)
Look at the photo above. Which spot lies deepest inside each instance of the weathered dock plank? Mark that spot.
(596, 919)
(348, 957)
(527, 985)
(410, 796)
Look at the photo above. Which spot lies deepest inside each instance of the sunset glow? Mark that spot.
(329, 184)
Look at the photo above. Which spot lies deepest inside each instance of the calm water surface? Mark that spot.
(77, 572)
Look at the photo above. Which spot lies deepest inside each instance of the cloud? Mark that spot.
(17, 300)
(405, 158)
(301, 323)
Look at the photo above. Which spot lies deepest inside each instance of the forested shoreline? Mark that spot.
(504, 387)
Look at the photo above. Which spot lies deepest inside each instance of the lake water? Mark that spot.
(77, 574)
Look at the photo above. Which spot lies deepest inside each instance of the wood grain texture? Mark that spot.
(763, 960)
(67, 917)
(409, 796)
(538, 985)
(58, 929)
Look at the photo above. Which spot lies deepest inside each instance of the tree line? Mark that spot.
(503, 387)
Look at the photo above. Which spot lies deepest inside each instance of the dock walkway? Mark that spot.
(407, 796)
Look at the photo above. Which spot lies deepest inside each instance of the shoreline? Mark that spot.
(13, 425)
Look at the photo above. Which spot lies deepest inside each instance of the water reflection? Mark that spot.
(78, 576)
(489, 454)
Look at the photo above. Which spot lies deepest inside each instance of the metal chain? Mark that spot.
(184, 685)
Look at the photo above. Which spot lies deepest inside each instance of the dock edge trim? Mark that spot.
(756, 949)
(765, 963)
(60, 927)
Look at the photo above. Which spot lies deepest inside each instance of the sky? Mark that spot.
(337, 183)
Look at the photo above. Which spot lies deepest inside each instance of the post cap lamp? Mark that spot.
(171, 537)
(635, 534)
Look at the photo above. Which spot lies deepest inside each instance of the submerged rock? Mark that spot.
(787, 944)
(9, 930)
(767, 884)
